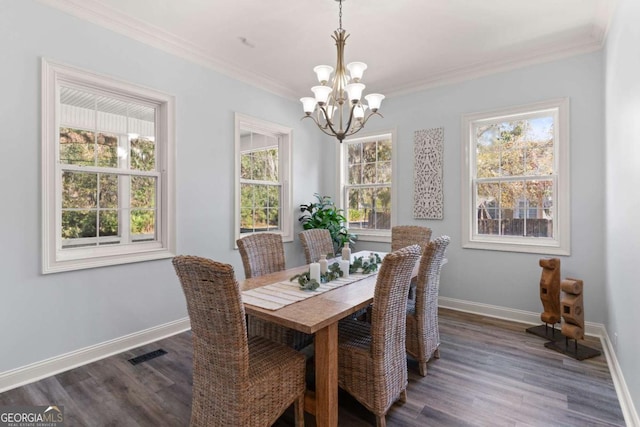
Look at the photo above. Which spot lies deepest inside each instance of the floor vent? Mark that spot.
(147, 356)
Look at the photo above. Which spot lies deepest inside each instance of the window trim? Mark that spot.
(54, 258)
(561, 243)
(285, 156)
(383, 236)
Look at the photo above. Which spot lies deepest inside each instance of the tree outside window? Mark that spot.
(368, 183)
(515, 177)
(516, 184)
(259, 191)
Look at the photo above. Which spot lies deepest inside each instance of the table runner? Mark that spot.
(281, 294)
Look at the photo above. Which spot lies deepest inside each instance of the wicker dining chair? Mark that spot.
(261, 254)
(372, 360)
(237, 381)
(316, 242)
(407, 235)
(423, 334)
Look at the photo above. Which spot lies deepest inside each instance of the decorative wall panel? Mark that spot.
(428, 145)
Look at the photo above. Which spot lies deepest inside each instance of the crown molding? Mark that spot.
(602, 20)
(482, 69)
(97, 13)
(154, 36)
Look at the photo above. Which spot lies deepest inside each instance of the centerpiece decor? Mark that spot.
(365, 265)
(308, 284)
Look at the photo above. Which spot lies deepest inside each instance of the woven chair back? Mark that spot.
(407, 235)
(316, 242)
(262, 253)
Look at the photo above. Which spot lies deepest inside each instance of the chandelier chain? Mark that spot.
(340, 15)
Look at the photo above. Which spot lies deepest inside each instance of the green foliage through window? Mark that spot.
(91, 204)
(260, 191)
(515, 177)
(368, 187)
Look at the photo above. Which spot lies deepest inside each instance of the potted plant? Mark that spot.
(324, 214)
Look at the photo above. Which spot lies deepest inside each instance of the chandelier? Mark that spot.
(337, 106)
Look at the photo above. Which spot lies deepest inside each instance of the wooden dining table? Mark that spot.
(318, 315)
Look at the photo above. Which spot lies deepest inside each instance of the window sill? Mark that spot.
(524, 247)
(59, 266)
(382, 237)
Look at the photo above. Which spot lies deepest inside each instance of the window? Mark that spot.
(107, 171)
(516, 184)
(263, 182)
(367, 190)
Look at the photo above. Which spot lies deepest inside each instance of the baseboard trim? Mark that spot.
(46, 368)
(626, 403)
(592, 329)
(512, 314)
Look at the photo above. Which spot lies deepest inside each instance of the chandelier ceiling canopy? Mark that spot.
(336, 106)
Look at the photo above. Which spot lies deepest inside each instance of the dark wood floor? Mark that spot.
(491, 373)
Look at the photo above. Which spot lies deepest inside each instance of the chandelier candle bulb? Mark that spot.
(308, 104)
(355, 92)
(358, 112)
(324, 73)
(322, 94)
(314, 271)
(356, 69)
(374, 100)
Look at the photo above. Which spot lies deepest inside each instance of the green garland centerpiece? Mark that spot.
(366, 265)
(306, 284)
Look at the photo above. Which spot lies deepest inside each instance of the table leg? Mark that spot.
(326, 347)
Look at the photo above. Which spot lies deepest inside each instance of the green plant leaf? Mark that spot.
(324, 214)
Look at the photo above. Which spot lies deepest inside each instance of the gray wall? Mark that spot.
(45, 316)
(509, 279)
(623, 181)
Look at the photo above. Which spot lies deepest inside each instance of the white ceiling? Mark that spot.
(408, 44)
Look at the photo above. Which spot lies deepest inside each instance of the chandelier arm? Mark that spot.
(353, 107)
(322, 128)
(314, 120)
(354, 131)
(371, 114)
(322, 112)
(338, 135)
(362, 123)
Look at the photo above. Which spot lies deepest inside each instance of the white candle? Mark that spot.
(344, 266)
(314, 271)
